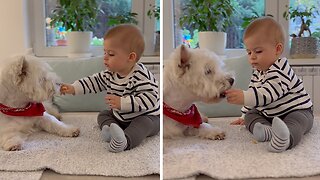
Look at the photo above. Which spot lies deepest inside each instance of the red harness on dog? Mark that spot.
(32, 109)
(190, 118)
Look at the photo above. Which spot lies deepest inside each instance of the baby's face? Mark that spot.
(262, 53)
(116, 59)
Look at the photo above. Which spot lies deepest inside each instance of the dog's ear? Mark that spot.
(19, 68)
(184, 57)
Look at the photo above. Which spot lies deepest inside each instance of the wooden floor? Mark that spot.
(51, 175)
(203, 177)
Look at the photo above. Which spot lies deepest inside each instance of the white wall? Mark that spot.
(14, 33)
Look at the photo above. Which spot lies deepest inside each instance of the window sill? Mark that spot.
(144, 59)
(313, 61)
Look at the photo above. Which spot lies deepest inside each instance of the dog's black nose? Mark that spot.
(231, 81)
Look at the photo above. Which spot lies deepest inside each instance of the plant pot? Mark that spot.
(214, 41)
(79, 44)
(304, 47)
(61, 42)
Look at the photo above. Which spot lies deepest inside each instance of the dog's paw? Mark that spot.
(213, 135)
(220, 136)
(73, 132)
(76, 133)
(70, 131)
(206, 131)
(16, 147)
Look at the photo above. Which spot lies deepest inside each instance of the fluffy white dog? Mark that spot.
(192, 75)
(24, 85)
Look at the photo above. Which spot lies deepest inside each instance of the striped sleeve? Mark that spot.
(273, 87)
(92, 84)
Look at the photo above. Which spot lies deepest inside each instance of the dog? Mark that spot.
(191, 75)
(24, 86)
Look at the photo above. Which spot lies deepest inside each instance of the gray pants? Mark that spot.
(135, 131)
(299, 122)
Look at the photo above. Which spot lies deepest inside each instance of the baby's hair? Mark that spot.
(130, 37)
(269, 27)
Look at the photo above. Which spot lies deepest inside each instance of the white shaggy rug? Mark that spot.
(84, 155)
(239, 157)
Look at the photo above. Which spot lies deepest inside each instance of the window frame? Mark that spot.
(273, 7)
(39, 31)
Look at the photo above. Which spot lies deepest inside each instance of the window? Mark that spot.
(243, 8)
(294, 26)
(51, 40)
(276, 8)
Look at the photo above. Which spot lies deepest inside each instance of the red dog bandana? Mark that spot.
(32, 109)
(190, 118)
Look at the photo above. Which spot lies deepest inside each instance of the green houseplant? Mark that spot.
(78, 17)
(124, 18)
(302, 46)
(154, 11)
(211, 18)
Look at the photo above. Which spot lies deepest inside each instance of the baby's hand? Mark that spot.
(113, 101)
(235, 96)
(239, 121)
(67, 89)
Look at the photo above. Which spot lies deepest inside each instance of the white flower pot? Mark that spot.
(79, 44)
(214, 41)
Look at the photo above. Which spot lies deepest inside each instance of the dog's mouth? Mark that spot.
(222, 95)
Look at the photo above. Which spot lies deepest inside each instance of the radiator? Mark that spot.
(310, 75)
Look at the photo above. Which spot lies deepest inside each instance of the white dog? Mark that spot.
(192, 75)
(24, 85)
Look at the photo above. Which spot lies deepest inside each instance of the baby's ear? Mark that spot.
(19, 69)
(133, 56)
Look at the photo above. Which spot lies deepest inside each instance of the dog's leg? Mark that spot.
(52, 109)
(50, 124)
(207, 131)
(12, 141)
(204, 117)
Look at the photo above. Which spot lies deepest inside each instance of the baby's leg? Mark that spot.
(140, 128)
(258, 125)
(280, 136)
(105, 118)
(299, 123)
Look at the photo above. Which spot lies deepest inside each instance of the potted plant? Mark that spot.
(154, 12)
(302, 45)
(126, 17)
(211, 18)
(248, 20)
(78, 17)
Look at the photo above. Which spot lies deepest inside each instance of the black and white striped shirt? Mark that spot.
(276, 91)
(138, 91)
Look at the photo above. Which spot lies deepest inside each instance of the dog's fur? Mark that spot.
(23, 81)
(192, 75)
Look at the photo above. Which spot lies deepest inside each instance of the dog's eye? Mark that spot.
(208, 71)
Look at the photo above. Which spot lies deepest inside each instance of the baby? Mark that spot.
(276, 108)
(132, 90)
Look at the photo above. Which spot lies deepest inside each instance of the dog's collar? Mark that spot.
(191, 117)
(32, 109)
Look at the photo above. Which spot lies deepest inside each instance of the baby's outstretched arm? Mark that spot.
(238, 121)
(235, 96)
(67, 89)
